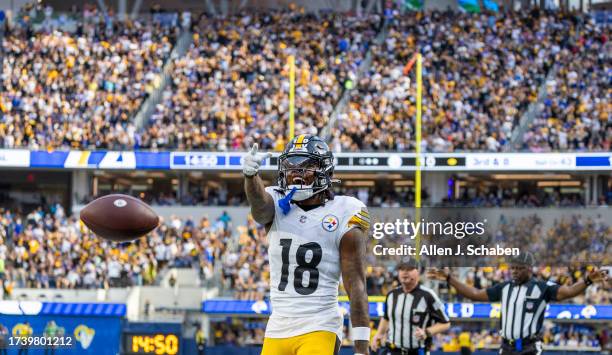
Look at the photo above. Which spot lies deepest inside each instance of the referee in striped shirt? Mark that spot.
(523, 302)
(412, 315)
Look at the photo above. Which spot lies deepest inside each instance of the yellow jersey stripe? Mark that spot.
(356, 221)
(365, 219)
(364, 214)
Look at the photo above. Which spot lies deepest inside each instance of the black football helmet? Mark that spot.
(304, 153)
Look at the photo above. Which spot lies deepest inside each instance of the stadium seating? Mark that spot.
(479, 78)
(576, 114)
(231, 87)
(102, 79)
(79, 90)
(47, 249)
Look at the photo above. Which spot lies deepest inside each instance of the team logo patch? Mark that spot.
(303, 219)
(416, 318)
(529, 306)
(84, 335)
(330, 223)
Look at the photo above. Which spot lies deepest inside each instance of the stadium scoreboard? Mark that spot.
(160, 343)
(345, 161)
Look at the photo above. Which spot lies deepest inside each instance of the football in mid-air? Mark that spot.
(119, 218)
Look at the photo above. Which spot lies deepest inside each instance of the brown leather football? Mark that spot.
(119, 218)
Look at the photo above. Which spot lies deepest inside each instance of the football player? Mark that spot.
(314, 239)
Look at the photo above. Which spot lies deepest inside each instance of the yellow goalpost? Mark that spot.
(291, 62)
(417, 177)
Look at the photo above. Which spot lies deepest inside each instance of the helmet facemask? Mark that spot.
(309, 174)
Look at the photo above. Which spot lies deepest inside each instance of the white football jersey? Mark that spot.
(304, 251)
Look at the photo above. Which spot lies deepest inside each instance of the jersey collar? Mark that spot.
(416, 288)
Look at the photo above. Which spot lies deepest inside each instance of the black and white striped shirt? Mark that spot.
(522, 306)
(420, 308)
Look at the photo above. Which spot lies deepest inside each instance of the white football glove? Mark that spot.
(252, 161)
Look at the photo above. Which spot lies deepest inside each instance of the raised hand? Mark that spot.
(438, 274)
(252, 161)
(598, 276)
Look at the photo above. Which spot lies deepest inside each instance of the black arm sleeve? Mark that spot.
(495, 292)
(550, 291)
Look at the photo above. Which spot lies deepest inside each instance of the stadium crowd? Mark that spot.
(576, 113)
(231, 88)
(81, 89)
(480, 75)
(47, 249)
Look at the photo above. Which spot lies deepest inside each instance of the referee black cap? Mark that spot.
(525, 258)
(409, 263)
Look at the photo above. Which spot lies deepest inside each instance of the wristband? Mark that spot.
(427, 333)
(360, 333)
(587, 280)
(448, 277)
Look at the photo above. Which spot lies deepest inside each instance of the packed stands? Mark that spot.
(480, 74)
(576, 114)
(79, 90)
(231, 88)
(78, 81)
(47, 249)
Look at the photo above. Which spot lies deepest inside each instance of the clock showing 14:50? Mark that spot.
(159, 344)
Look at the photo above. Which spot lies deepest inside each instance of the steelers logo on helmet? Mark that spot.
(306, 166)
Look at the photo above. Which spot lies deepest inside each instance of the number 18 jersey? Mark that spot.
(304, 252)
